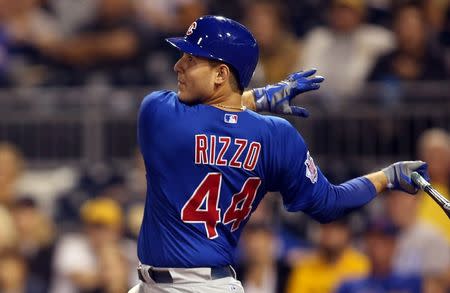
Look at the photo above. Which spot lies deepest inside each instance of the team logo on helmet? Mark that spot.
(191, 28)
(311, 169)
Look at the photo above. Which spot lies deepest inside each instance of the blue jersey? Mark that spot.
(208, 169)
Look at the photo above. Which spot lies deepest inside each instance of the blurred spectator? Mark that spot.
(80, 259)
(20, 20)
(291, 227)
(380, 11)
(413, 59)
(434, 148)
(71, 15)
(135, 179)
(333, 262)
(267, 209)
(164, 15)
(435, 285)
(114, 268)
(126, 185)
(345, 51)
(11, 170)
(278, 47)
(444, 36)
(233, 9)
(6, 5)
(260, 271)
(45, 185)
(132, 204)
(136, 188)
(435, 12)
(36, 236)
(94, 180)
(16, 180)
(31, 35)
(380, 245)
(157, 14)
(8, 232)
(421, 249)
(4, 58)
(111, 49)
(135, 214)
(305, 15)
(14, 275)
(186, 12)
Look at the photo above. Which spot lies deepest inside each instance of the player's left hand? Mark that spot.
(276, 98)
(399, 175)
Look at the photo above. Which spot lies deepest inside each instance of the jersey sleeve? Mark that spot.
(151, 107)
(152, 104)
(304, 187)
(296, 174)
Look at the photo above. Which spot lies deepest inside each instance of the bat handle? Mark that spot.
(419, 180)
(435, 195)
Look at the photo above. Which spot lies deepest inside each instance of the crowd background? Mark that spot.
(69, 218)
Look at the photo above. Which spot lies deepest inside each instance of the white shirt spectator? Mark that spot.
(421, 250)
(74, 255)
(72, 15)
(345, 60)
(268, 285)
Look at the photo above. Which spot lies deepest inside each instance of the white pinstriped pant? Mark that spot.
(196, 280)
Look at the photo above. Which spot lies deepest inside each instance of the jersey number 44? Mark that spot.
(203, 205)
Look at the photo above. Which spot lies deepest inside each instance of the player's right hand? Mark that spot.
(399, 175)
(276, 98)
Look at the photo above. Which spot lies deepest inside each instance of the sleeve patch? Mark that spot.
(311, 169)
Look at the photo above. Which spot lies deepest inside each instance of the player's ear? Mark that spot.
(222, 73)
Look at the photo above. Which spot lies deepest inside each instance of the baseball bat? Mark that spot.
(435, 195)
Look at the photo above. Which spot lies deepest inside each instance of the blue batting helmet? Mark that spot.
(222, 39)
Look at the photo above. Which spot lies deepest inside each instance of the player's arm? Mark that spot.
(337, 200)
(398, 176)
(276, 98)
(248, 100)
(379, 180)
(305, 188)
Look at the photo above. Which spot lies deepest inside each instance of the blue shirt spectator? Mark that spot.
(390, 283)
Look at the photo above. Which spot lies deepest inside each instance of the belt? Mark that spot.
(164, 276)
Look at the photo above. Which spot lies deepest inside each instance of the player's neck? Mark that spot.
(230, 102)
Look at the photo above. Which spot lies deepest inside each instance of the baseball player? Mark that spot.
(210, 159)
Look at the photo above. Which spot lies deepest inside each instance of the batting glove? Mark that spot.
(399, 175)
(276, 98)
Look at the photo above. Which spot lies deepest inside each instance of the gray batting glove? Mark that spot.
(276, 98)
(399, 175)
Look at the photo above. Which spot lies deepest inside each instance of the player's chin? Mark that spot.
(185, 97)
(182, 95)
